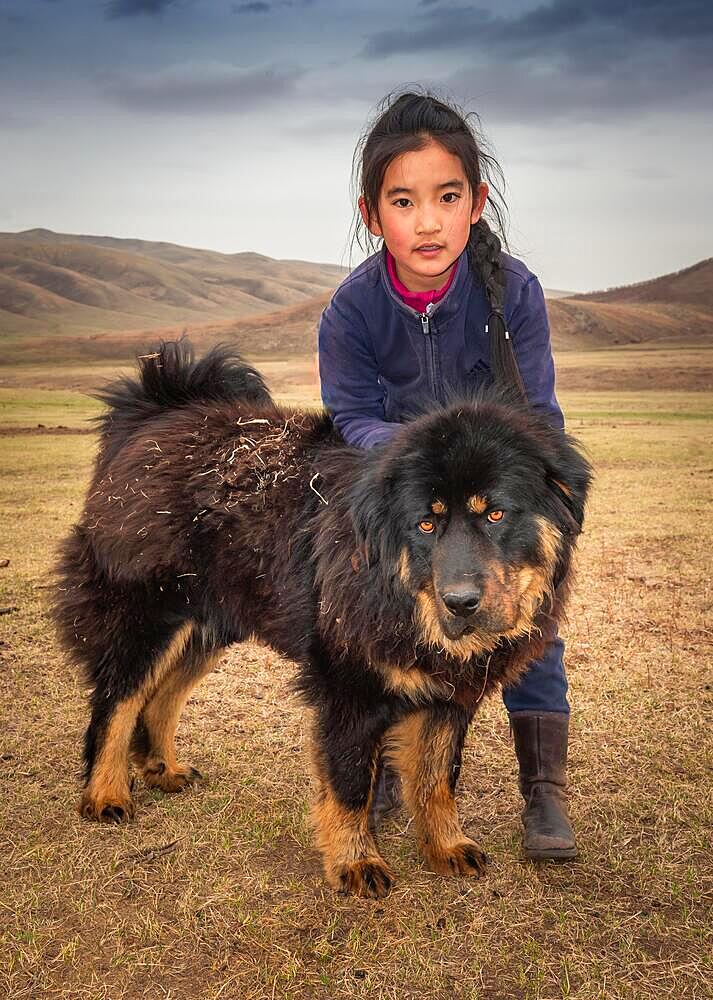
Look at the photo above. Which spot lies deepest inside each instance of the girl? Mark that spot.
(413, 321)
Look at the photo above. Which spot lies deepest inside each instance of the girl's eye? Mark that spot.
(402, 202)
(450, 197)
(427, 527)
(496, 515)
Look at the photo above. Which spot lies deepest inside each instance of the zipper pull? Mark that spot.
(425, 324)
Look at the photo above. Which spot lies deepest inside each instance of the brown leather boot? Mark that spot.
(541, 749)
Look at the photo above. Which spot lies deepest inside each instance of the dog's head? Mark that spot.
(474, 511)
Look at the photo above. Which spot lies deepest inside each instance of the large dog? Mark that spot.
(406, 582)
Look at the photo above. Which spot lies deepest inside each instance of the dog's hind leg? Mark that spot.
(426, 748)
(344, 756)
(126, 678)
(153, 744)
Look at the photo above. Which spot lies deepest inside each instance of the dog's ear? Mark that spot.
(569, 476)
(369, 506)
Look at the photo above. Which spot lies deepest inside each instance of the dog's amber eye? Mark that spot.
(426, 527)
(496, 515)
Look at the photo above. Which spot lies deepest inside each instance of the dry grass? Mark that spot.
(218, 892)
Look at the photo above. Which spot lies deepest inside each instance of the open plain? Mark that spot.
(218, 892)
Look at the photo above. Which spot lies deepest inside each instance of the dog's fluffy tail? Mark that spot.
(170, 377)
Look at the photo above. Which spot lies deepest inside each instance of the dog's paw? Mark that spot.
(109, 807)
(464, 858)
(368, 878)
(157, 774)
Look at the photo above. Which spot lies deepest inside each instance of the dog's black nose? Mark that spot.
(462, 602)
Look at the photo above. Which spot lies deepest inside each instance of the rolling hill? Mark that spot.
(54, 283)
(675, 308)
(692, 286)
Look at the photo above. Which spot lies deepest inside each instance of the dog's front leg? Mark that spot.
(346, 741)
(426, 747)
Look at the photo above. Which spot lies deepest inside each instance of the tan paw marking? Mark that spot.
(465, 858)
(368, 878)
(106, 808)
(157, 774)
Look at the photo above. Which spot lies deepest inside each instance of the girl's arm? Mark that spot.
(530, 332)
(348, 376)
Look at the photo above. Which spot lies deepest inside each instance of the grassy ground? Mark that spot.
(218, 892)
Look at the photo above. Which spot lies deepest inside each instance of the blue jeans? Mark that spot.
(544, 687)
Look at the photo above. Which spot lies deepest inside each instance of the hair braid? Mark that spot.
(484, 256)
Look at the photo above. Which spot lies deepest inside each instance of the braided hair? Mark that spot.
(484, 255)
(405, 123)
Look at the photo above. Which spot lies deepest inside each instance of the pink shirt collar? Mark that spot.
(417, 300)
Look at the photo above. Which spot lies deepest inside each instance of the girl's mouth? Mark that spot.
(429, 249)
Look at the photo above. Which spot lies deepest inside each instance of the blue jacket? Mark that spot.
(377, 355)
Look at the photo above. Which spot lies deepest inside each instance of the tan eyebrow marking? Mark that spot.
(438, 507)
(477, 504)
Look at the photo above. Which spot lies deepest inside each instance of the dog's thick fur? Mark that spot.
(389, 576)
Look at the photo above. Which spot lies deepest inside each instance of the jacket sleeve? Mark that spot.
(530, 332)
(348, 376)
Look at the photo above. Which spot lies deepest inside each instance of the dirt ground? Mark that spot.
(218, 893)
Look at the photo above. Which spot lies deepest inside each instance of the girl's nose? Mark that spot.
(428, 223)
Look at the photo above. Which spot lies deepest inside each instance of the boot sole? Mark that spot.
(559, 854)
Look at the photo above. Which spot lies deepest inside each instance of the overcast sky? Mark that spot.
(231, 125)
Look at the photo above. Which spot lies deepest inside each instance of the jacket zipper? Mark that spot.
(426, 329)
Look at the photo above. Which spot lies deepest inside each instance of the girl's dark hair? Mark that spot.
(405, 123)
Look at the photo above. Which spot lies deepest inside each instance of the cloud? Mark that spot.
(566, 57)
(260, 7)
(257, 7)
(643, 18)
(550, 27)
(438, 28)
(212, 88)
(133, 8)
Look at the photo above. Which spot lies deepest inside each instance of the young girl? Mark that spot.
(413, 321)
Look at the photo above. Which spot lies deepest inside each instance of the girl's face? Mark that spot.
(426, 208)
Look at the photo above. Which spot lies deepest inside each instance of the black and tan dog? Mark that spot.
(406, 582)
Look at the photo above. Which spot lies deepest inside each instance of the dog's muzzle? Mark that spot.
(461, 604)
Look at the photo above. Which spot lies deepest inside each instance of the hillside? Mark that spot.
(588, 324)
(284, 333)
(54, 283)
(692, 286)
(673, 308)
